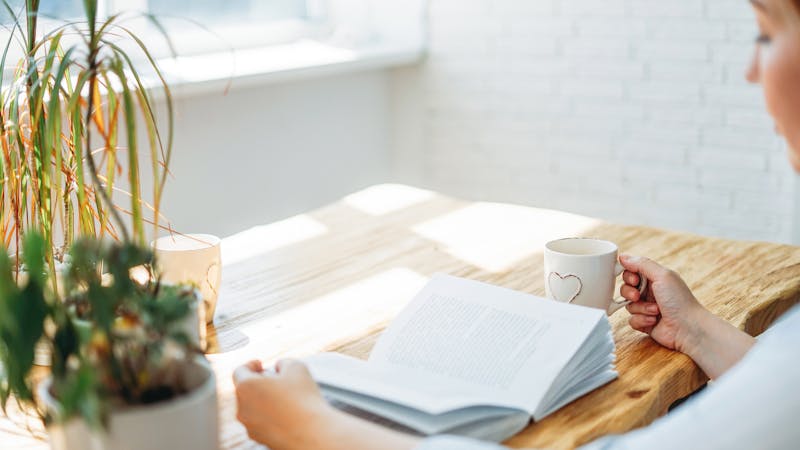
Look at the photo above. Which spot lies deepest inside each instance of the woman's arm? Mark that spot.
(674, 318)
(716, 345)
(285, 411)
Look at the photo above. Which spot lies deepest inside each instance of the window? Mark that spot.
(197, 26)
(230, 12)
(61, 9)
(221, 39)
(201, 26)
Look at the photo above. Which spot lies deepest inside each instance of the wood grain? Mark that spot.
(340, 285)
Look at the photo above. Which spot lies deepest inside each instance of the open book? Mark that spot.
(469, 358)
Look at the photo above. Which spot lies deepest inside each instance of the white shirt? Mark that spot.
(755, 405)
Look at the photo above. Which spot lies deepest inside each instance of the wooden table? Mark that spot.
(332, 279)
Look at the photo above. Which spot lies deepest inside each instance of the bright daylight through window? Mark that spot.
(210, 43)
(62, 9)
(205, 11)
(197, 26)
(234, 12)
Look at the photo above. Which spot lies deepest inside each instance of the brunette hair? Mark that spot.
(790, 7)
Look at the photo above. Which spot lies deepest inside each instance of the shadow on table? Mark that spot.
(228, 342)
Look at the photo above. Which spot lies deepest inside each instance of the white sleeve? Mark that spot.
(754, 405)
(446, 442)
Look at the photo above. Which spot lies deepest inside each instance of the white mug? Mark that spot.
(194, 259)
(583, 271)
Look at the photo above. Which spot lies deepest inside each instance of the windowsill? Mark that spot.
(218, 72)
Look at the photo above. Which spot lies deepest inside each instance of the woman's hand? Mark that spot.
(668, 310)
(284, 410)
(673, 317)
(281, 408)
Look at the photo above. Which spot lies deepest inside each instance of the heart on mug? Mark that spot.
(564, 288)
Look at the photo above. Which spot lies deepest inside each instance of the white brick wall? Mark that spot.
(635, 111)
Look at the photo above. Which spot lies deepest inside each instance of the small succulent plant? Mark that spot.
(113, 339)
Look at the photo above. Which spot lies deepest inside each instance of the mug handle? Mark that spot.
(617, 304)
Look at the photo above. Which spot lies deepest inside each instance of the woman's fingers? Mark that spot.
(631, 278)
(645, 308)
(252, 369)
(642, 322)
(292, 368)
(255, 365)
(630, 293)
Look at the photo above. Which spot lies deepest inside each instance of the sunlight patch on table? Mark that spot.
(495, 237)
(314, 324)
(264, 238)
(386, 198)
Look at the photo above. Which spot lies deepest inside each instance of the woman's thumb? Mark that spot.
(643, 266)
(252, 369)
(292, 367)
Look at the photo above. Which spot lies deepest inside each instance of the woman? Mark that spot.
(753, 403)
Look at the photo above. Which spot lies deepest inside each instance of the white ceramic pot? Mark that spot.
(186, 422)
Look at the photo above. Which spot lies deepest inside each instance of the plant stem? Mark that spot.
(89, 157)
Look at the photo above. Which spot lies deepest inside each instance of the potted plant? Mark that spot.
(124, 361)
(71, 116)
(70, 119)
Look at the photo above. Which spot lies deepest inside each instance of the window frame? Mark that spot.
(196, 39)
(326, 43)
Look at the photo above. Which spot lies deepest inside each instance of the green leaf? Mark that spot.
(65, 345)
(90, 7)
(34, 254)
(129, 108)
(24, 312)
(8, 291)
(79, 394)
(32, 8)
(150, 115)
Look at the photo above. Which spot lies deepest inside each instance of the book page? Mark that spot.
(428, 405)
(492, 340)
(427, 392)
(468, 341)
